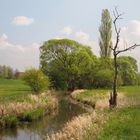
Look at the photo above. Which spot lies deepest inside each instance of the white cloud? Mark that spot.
(22, 21)
(82, 36)
(135, 27)
(67, 30)
(18, 56)
(79, 36)
(85, 39)
(4, 37)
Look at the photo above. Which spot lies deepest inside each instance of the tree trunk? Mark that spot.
(113, 97)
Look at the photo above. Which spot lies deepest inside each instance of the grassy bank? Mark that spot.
(91, 97)
(17, 104)
(121, 123)
(13, 90)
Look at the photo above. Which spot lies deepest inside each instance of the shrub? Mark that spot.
(36, 80)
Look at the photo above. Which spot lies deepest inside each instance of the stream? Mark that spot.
(36, 130)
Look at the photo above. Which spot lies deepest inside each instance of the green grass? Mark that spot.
(131, 91)
(33, 115)
(13, 90)
(123, 123)
(90, 93)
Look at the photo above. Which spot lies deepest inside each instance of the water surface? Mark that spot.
(46, 125)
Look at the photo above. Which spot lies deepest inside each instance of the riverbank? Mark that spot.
(120, 123)
(18, 104)
(31, 108)
(48, 124)
(78, 127)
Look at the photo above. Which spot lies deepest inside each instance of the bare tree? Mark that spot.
(116, 52)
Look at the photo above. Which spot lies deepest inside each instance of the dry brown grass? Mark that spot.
(123, 101)
(31, 103)
(102, 101)
(78, 127)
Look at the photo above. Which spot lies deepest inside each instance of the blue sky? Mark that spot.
(25, 24)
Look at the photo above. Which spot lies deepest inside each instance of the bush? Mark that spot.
(36, 80)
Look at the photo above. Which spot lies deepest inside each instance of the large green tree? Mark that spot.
(68, 63)
(105, 29)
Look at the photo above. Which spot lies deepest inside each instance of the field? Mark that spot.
(123, 123)
(11, 90)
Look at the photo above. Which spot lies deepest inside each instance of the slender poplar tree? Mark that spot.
(105, 29)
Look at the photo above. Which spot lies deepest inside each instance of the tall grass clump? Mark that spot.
(33, 115)
(79, 127)
(33, 107)
(9, 121)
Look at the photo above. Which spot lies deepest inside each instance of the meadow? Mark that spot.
(13, 90)
(121, 123)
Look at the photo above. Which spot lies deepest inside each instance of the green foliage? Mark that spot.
(104, 79)
(105, 30)
(71, 65)
(103, 73)
(128, 70)
(67, 63)
(36, 80)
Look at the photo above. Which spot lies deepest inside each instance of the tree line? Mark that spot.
(71, 65)
(7, 72)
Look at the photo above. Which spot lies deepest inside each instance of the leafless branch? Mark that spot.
(129, 48)
(117, 17)
(112, 48)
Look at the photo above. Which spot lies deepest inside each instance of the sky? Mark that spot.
(26, 24)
